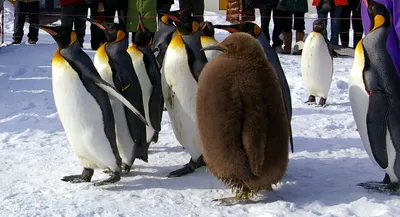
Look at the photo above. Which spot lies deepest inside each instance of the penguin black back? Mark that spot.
(240, 89)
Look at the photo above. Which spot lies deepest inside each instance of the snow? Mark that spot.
(328, 163)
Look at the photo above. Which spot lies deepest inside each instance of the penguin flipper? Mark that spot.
(377, 117)
(196, 58)
(156, 102)
(116, 94)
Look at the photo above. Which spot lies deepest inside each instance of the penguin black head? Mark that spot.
(143, 35)
(378, 14)
(113, 31)
(318, 26)
(183, 20)
(64, 36)
(238, 45)
(248, 27)
(207, 29)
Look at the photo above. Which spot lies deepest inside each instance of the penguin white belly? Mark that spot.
(124, 140)
(359, 100)
(208, 41)
(179, 91)
(146, 86)
(82, 118)
(316, 65)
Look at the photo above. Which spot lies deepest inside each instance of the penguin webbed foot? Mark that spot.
(188, 168)
(381, 186)
(322, 102)
(114, 177)
(239, 196)
(311, 100)
(107, 171)
(126, 168)
(86, 176)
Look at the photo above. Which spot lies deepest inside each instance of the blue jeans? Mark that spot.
(335, 22)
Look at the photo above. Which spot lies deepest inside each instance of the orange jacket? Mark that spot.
(337, 2)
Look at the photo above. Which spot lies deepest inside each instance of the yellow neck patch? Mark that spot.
(379, 20)
(73, 38)
(177, 41)
(359, 48)
(101, 53)
(120, 36)
(57, 58)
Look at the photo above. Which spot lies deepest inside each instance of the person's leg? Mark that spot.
(96, 34)
(277, 31)
(122, 8)
(198, 10)
(357, 27)
(286, 24)
(265, 12)
(323, 16)
(345, 26)
(335, 24)
(299, 26)
(110, 7)
(67, 18)
(80, 24)
(33, 8)
(19, 21)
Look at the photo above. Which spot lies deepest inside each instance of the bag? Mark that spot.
(293, 5)
(326, 6)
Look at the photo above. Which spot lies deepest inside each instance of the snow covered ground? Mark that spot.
(321, 179)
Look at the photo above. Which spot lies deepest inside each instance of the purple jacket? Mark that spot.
(393, 44)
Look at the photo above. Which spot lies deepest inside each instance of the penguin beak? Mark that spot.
(95, 22)
(226, 28)
(171, 15)
(213, 47)
(49, 29)
(140, 24)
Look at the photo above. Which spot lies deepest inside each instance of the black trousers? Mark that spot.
(287, 23)
(355, 20)
(197, 8)
(265, 12)
(119, 6)
(97, 35)
(21, 10)
(71, 15)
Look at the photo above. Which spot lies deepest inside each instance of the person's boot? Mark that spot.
(356, 38)
(298, 47)
(344, 38)
(287, 43)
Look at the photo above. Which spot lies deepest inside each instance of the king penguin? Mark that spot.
(84, 108)
(180, 72)
(115, 66)
(374, 91)
(147, 71)
(254, 30)
(162, 38)
(317, 64)
(207, 39)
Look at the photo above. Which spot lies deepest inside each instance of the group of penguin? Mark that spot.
(111, 108)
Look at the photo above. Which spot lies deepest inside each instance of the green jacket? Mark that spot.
(148, 9)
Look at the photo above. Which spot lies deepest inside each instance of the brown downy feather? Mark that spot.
(242, 123)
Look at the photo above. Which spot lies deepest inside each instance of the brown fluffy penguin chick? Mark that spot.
(242, 123)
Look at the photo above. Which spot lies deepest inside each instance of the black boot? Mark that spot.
(344, 38)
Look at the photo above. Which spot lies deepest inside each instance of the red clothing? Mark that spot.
(70, 2)
(337, 2)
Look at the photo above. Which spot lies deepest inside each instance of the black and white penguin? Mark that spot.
(317, 64)
(115, 66)
(162, 38)
(179, 75)
(254, 30)
(374, 91)
(147, 71)
(207, 39)
(84, 108)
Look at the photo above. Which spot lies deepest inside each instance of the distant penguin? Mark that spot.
(115, 66)
(317, 64)
(84, 108)
(254, 30)
(147, 71)
(162, 38)
(180, 72)
(207, 39)
(242, 124)
(374, 92)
